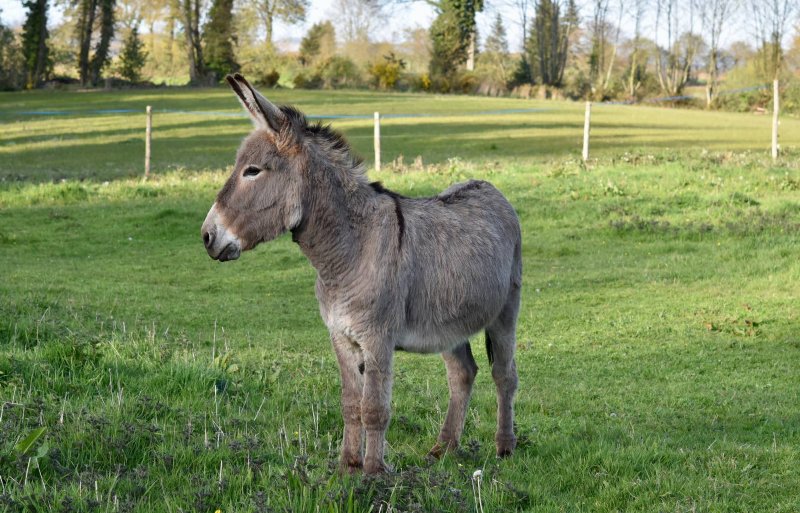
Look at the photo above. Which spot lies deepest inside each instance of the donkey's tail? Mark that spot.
(489, 352)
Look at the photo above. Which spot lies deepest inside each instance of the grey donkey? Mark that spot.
(393, 273)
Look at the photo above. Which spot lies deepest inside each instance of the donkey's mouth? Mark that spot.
(229, 252)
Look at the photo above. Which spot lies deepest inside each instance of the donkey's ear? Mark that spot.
(264, 114)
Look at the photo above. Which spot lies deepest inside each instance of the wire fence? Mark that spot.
(376, 116)
(492, 112)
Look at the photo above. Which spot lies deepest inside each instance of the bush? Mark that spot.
(468, 82)
(386, 74)
(269, 79)
(339, 72)
(12, 63)
(305, 80)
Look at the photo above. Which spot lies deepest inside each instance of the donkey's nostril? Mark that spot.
(207, 239)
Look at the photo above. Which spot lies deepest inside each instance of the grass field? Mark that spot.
(49, 136)
(659, 349)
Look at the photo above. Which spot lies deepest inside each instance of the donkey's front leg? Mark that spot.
(351, 366)
(376, 404)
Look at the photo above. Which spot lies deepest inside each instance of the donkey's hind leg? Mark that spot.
(501, 344)
(461, 372)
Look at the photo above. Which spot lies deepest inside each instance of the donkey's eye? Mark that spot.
(251, 171)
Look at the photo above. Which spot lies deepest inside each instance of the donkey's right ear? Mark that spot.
(264, 114)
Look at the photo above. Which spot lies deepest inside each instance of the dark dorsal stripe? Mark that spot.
(401, 221)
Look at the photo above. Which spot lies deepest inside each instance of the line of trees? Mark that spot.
(568, 49)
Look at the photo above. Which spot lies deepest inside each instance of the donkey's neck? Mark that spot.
(328, 234)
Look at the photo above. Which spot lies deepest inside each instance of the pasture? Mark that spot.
(658, 343)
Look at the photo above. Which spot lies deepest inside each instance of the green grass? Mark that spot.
(199, 129)
(659, 354)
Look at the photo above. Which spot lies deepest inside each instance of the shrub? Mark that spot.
(338, 72)
(304, 80)
(386, 74)
(269, 79)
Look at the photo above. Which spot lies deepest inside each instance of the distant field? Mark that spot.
(658, 346)
(49, 136)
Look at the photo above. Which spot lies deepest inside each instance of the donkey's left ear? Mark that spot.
(264, 114)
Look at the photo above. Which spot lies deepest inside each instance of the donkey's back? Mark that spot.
(461, 262)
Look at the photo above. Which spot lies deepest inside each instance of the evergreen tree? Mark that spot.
(496, 41)
(34, 43)
(218, 37)
(319, 44)
(133, 56)
(549, 39)
(451, 34)
(522, 72)
(495, 59)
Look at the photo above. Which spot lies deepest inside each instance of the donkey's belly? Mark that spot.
(430, 342)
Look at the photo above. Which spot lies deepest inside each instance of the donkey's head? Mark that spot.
(262, 197)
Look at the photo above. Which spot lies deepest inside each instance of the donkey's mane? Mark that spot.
(334, 143)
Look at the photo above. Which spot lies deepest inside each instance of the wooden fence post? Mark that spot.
(377, 141)
(147, 142)
(776, 98)
(587, 123)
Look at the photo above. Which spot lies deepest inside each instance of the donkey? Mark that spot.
(393, 273)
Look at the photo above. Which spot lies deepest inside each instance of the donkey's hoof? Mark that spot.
(348, 469)
(350, 465)
(505, 445)
(437, 451)
(377, 468)
(441, 448)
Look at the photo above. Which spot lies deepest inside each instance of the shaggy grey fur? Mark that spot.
(421, 275)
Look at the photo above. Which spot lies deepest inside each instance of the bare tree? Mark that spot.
(601, 64)
(770, 19)
(637, 67)
(191, 26)
(355, 19)
(714, 15)
(267, 11)
(674, 61)
(523, 8)
(598, 28)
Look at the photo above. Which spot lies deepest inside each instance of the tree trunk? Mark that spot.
(269, 18)
(711, 86)
(471, 52)
(85, 28)
(100, 57)
(187, 23)
(194, 52)
(41, 52)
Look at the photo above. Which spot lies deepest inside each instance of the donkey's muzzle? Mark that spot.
(219, 242)
(229, 252)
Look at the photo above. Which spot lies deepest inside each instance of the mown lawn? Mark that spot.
(659, 350)
(100, 135)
